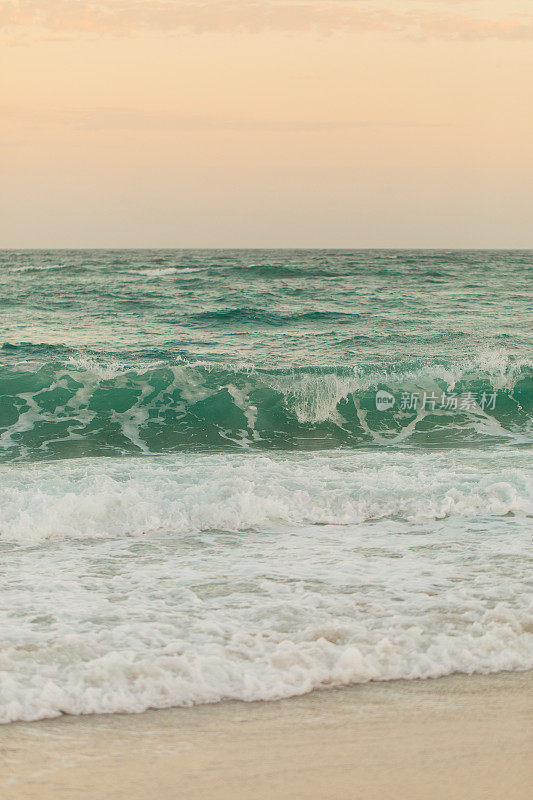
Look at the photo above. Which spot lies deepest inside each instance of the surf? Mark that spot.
(80, 406)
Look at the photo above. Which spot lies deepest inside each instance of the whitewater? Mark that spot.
(252, 474)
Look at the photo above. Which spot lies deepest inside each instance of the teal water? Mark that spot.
(115, 352)
(249, 474)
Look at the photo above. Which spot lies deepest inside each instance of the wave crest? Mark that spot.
(83, 407)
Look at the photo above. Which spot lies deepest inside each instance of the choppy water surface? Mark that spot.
(201, 497)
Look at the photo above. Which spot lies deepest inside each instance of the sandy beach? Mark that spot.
(461, 737)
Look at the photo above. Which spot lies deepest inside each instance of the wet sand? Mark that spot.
(456, 737)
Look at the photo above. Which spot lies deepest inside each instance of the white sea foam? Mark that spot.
(188, 493)
(153, 582)
(37, 267)
(162, 271)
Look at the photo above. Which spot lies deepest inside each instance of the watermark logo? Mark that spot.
(430, 401)
(384, 400)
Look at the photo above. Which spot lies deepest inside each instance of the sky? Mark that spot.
(266, 123)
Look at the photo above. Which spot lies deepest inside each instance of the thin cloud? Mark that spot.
(47, 19)
(124, 119)
(459, 27)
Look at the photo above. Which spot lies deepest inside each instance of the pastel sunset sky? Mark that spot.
(266, 123)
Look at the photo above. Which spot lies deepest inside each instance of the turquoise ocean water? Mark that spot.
(250, 474)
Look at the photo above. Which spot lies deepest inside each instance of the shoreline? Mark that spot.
(457, 736)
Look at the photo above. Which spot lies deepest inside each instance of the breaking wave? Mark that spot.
(82, 407)
(194, 578)
(189, 493)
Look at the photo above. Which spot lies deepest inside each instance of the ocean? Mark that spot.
(249, 474)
